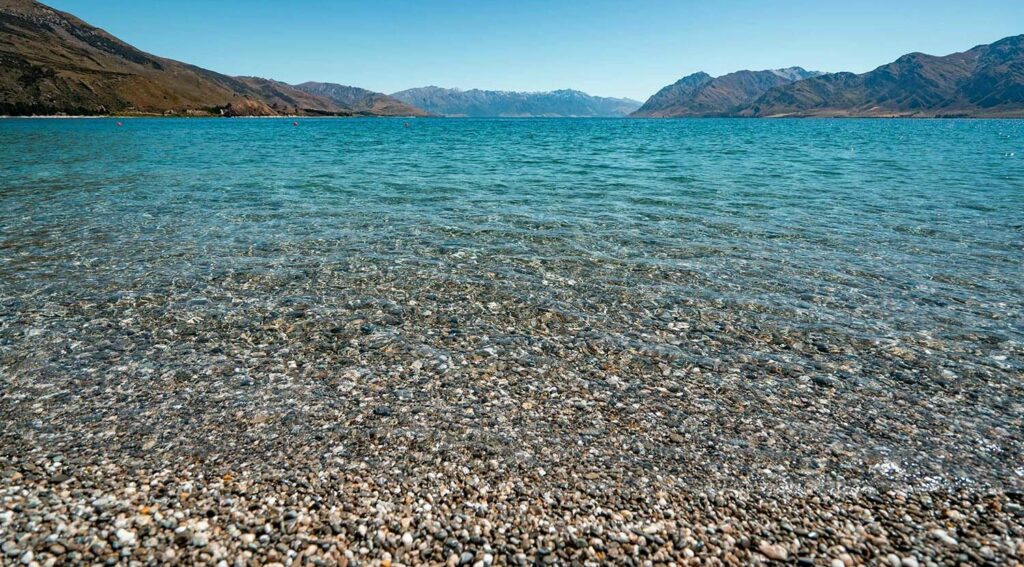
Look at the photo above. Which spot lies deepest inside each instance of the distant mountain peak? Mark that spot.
(700, 77)
(796, 73)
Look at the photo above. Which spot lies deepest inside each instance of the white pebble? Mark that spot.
(773, 551)
(126, 537)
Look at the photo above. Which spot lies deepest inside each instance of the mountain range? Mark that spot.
(986, 81)
(354, 97)
(480, 103)
(54, 63)
(701, 94)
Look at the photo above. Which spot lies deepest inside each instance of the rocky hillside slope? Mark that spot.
(54, 63)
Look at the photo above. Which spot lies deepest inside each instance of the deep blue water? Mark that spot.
(881, 228)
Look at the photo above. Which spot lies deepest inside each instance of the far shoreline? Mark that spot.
(128, 116)
(651, 118)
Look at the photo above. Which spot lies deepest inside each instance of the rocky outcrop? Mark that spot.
(248, 107)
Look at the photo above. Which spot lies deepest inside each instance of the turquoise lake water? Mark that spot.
(754, 267)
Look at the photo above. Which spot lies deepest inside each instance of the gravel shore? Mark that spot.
(461, 424)
(446, 513)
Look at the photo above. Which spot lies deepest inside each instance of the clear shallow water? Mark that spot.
(880, 260)
(879, 227)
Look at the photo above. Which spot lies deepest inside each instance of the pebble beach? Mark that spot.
(575, 342)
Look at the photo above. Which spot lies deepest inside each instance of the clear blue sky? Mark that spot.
(612, 48)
